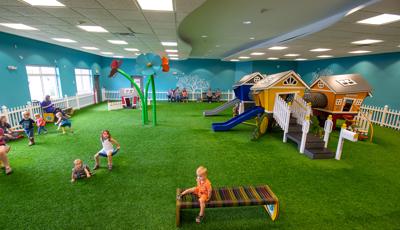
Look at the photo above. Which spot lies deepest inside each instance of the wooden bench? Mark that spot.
(232, 197)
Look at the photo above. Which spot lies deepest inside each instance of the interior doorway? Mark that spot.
(289, 97)
(96, 88)
(348, 103)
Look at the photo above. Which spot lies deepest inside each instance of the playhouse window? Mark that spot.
(346, 82)
(359, 101)
(321, 85)
(338, 102)
(290, 81)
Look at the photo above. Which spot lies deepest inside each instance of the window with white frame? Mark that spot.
(359, 101)
(43, 80)
(83, 80)
(321, 85)
(338, 102)
(290, 81)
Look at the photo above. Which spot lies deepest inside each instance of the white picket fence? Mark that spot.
(282, 115)
(114, 95)
(14, 115)
(300, 109)
(383, 116)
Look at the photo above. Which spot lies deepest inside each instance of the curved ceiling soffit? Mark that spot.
(221, 21)
(297, 33)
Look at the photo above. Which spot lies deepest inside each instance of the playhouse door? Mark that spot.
(348, 103)
(287, 97)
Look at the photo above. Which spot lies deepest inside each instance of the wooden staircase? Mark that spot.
(314, 147)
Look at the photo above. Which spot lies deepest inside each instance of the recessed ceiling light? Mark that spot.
(234, 59)
(251, 38)
(18, 26)
(325, 56)
(137, 54)
(301, 59)
(272, 58)
(381, 19)
(320, 50)
(159, 5)
(173, 55)
(169, 43)
(66, 40)
(359, 52)
(171, 51)
(355, 10)
(277, 48)
(257, 53)
(96, 29)
(118, 56)
(131, 49)
(366, 41)
(174, 58)
(89, 48)
(107, 53)
(204, 36)
(118, 42)
(246, 22)
(44, 2)
(244, 57)
(292, 55)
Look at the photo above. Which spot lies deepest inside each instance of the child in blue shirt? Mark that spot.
(62, 122)
(27, 124)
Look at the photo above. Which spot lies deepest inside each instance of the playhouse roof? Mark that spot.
(271, 80)
(249, 79)
(345, 83)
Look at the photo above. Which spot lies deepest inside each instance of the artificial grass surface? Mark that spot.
(359, 192)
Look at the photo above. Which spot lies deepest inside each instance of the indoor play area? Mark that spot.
(168, 114)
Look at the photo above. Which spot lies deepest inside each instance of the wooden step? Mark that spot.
(319, 153)
(295, 129)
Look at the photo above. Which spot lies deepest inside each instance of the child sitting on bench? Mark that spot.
(202, 190)
(80, 171)
(108, 149)
(4, 149)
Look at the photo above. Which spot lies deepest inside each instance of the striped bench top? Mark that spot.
(232, 196)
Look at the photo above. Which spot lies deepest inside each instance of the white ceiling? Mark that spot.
(121, 16)
(339, 36)
(116, 16)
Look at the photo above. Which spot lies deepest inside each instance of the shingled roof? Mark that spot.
(270, 80)
(249, 79)
(345, 83)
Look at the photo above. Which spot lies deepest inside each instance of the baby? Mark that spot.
(80, 171)
(41, 124)
(4, 149)
(202, 191)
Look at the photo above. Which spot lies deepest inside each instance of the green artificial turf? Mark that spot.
(362, 191)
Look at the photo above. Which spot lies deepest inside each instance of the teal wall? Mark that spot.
(18, 51)
(382, 71)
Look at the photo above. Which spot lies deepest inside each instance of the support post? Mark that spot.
(153, 95)
(327, 130)
(287, 121)
(344, 134)
(384, 113)
(103, 94)
(29, 107)
(305, 129)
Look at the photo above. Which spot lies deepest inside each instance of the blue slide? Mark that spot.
(250, 113)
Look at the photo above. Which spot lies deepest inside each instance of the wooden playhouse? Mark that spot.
(243, 92)
(285, 84)
(338, 95)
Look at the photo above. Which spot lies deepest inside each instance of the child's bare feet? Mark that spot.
(8, 171)
(199, 219)
(109, 167)
(72, 180)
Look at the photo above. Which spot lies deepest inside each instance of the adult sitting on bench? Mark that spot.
(232, 197)
(50, 110)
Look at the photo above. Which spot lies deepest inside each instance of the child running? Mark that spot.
(80, 171)
(202, 191)
(108, 149)
(4, 149)
(63, 122)
(27, 125)
(41, 124)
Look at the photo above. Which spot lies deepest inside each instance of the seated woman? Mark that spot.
(218, 95)
(47, 105)
(184, 95)
(9, 133)
(209, 95)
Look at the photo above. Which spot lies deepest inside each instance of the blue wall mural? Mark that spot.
(19, 52)
(382, 71)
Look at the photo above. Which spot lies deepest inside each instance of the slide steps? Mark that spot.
(314, 147)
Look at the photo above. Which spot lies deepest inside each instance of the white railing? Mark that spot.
(328, 130)
(300, 109)
(383, 116)
(282, 115)
(114, 95)
(14, 115)
(114, 105)
(304, 129)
